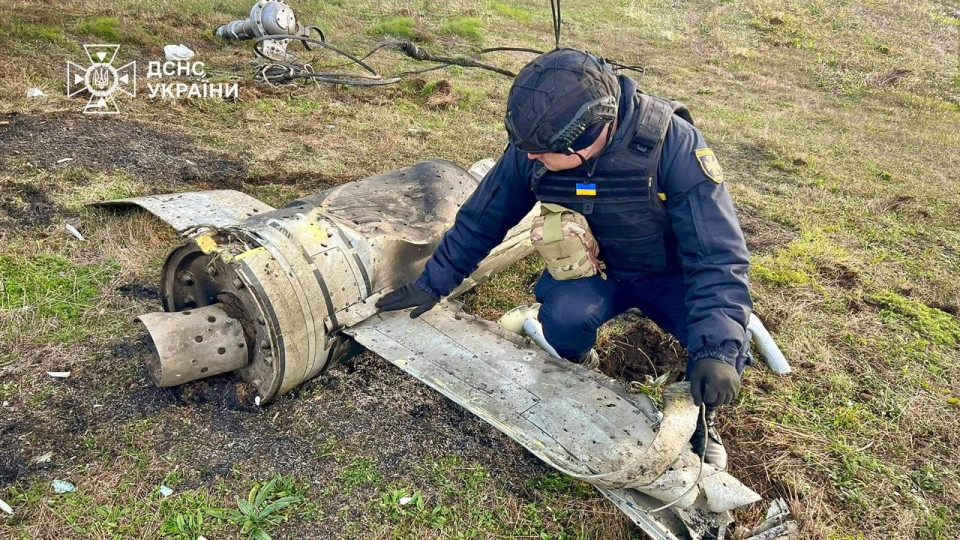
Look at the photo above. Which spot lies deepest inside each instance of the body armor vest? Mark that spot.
(626, 215)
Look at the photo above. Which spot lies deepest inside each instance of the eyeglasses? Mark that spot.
(599, 110)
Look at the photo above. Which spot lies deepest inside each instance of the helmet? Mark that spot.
(560, 97)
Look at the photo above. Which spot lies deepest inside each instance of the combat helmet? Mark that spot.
(560, 102)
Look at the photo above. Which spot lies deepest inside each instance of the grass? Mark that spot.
(395, 26)
(465, 27)
(50, 285)
(107, 28)
(833, 121)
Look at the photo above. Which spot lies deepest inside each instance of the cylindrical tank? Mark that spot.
(289, 277)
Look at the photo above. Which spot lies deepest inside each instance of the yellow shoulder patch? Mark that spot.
(710, 164)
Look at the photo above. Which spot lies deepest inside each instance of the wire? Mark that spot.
(274, 71)
(703, 453)
(555, 13)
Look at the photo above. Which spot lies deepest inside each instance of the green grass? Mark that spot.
(50, 285)
(512, 12)
(38, 32)
(930, 323)
(107, 28)
(465, 27)
(404, 27)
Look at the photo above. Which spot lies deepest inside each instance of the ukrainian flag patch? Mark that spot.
(590, 190)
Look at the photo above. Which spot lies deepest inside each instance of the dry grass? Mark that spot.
(835, 122)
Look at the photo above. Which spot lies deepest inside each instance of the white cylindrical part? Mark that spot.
(768, 348)
(534, 329)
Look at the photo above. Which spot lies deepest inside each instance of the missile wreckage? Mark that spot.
(276, 296)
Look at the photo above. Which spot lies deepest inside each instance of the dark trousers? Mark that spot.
(572, 310)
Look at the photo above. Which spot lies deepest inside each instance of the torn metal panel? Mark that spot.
(186, 211)
(577, 420)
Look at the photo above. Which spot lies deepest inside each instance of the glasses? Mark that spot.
(599, 110)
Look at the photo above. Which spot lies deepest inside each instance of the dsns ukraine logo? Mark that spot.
(103, 81)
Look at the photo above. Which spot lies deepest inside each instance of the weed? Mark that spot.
(264, 506)
(399, 503)
(360, 472)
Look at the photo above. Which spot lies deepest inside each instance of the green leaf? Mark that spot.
(259, 534)
(279, 504)
(246, 508)
(265, 492)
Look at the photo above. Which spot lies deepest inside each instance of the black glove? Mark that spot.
(408, 296)
(714, 382)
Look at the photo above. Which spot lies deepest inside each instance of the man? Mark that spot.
(653, 196)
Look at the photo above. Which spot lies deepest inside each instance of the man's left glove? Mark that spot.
(408, 296)
(714, 382)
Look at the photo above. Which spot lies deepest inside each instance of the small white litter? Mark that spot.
(35, 93)
(177, 53)
(405, 500)
(64, 160)
(6, 403)
(256, 401)
(165, 491)
(73, 230)
(44, 458)
(62, 486)
(6, 507)
(59, 374)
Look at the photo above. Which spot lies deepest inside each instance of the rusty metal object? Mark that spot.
(193, 344)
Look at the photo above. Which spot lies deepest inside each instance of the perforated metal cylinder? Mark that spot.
(193, 344)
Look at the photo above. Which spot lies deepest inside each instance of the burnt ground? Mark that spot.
(139, 149)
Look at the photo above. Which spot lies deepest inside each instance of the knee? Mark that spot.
(571, 328)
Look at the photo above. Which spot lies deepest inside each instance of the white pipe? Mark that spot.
(534, 329)
(768, 348)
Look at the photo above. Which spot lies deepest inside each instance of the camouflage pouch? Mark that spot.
(563, 239)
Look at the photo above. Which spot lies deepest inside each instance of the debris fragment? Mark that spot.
(405, 500)
(64, 160)
(6, 403)
(256, 401)
(73, 230)
(165, 491)
(35, 93)
(177, 53)
(6, 507)
(62, 486)
(59, 374)
(44, 458)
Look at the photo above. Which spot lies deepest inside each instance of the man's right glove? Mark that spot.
(408, 296)
(714, 382)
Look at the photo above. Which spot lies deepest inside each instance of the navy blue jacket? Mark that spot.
(710, 243)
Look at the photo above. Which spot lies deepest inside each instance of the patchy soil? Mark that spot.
(26, 206)
(762, 234)
(99, 144)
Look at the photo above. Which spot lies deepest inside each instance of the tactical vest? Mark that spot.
(626, 215)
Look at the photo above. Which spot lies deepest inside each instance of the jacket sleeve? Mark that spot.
(500, 201)
(711, 245)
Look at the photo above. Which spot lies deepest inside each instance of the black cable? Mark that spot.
(555, 13)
